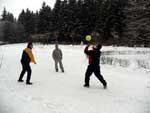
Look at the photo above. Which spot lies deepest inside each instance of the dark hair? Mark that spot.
(29, 44)
(99, 46)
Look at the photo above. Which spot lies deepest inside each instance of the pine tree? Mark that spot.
(80, 17)
(72, 15)
(56, 15)
(7, 16)
(27, 19)
(101, 18)
(137, 22)
(4, 15)
(63, 17)
(45, 19)
(110, 20)
(89, 12)
(103, 24)
(116, 20)
(10, 32)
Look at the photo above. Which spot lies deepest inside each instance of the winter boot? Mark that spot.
(29, 83)
(105, 86)
(86, 85)
(20, 80)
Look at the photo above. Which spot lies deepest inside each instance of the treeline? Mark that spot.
(72, 20)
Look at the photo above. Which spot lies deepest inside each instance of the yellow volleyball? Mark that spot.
(88, 37)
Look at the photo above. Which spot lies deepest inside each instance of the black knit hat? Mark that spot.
(29, 44)
(99, 46)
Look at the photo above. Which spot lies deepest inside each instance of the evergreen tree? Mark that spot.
(80, 17)
(45, 19)
(80, 29)
(89, 12)
(30, 22)
(110, 20)
(12, 32)
(63, 17)
(116, 20)
(63, 21)
(56, 15)
(20, 33)
(137, 22)
(36, 19)
(27, 19)
(72, 15)
(103, 20)
(21, 18)
(6, 16)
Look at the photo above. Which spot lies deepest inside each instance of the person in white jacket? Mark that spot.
(57, 56)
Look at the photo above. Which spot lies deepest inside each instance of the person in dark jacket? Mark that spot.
(57, 56)
(27, 57)
(94, 61)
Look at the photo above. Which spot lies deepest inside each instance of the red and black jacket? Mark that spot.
(93, 55)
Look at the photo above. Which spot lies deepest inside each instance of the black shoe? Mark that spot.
(62, 71)
(105, 86)
(86, 85)
(20, 80)
(56, 70)
(29, 83)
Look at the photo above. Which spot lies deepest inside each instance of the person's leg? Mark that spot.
(99, 76)
(88, 73)
(28, 75)
(22, 73)
(61, 66)
(56, 66)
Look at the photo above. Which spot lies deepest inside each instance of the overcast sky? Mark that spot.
(15, 6)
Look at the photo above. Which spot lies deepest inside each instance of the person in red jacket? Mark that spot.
(94, 61)
(27, 57)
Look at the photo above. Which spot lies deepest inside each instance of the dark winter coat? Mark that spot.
(27, 56)
(57, 54)
(93, 55)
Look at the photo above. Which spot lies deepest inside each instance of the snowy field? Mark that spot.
(127, 71)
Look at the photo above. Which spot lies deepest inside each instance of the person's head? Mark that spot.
(30, 45)
(56, 46)
(99, 46)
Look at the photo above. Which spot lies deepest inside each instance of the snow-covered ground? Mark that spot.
(128, 86)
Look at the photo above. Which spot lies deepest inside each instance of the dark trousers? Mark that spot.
(96, 70)
(60, 65)
(26, 67)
